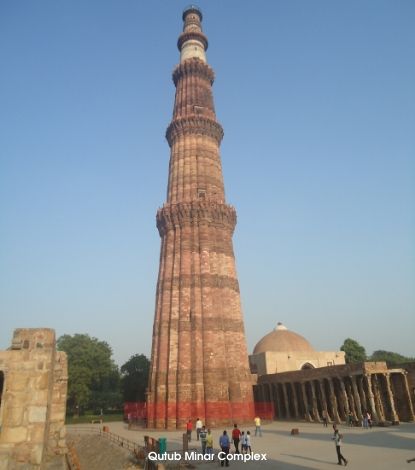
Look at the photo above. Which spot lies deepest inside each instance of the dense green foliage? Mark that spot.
(391, 358)
(354, 351)
(134, 378)
(94, 379)
(95, 382)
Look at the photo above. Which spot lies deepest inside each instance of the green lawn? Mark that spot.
(87, 418)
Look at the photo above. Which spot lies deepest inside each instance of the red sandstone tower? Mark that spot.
(199, 360)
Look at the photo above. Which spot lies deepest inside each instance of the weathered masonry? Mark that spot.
(339, 390)
(33, 388)
(199, 360)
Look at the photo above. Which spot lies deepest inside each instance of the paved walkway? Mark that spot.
(377, 448)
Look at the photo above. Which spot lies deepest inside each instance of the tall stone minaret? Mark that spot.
(199, 361)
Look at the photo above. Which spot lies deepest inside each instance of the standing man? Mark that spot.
(209, 442)
(338, 442)
(325, 419)
(258, 426)
(199, 425)
(236, 436)
(189, 427)
(224, 444)
(203, 439)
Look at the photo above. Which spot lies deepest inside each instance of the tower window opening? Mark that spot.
(201, 193)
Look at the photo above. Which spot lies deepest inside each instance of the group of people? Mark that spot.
(240, 439)
(366, 419)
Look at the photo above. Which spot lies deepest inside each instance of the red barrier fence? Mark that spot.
(135, 410)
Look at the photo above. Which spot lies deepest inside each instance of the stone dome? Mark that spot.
(282, 340)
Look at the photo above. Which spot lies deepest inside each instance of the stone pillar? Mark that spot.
(270, 400)
(287, 408)
(350, 397)
(295, 399)
(333, 401)
(371, 398)
(408, 394)
(315, 407)
(343, 398)
(278, 402)
(378, 398)
(306, 407)
(356, 398)
(362, 392)
(394, 414)
(324, 404)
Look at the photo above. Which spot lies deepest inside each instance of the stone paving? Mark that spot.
(313, 448)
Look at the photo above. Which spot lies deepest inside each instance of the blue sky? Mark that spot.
(317, 101)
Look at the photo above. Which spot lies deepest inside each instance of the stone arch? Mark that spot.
(307, 365)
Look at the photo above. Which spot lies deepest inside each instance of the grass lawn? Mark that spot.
(88, 418)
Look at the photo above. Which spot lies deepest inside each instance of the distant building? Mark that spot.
(302, 383)
(283, 350)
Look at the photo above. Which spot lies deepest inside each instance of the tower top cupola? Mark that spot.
(192, 42)
(192, 9)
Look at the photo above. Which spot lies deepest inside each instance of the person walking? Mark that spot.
(203, 439)
(365, 423)
(209, 442)
(224, 444)
(189, 427)
(236, 435)
(248, 442)
(257, 420)
(199, 425)
(243, 442)
(325, 419)
(338, 442)
(369, 419)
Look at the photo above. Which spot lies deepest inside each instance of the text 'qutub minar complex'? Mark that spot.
(199, 360)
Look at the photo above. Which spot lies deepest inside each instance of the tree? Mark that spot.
(391, 358)
(135, 377)
(93, 377)
(354, 351)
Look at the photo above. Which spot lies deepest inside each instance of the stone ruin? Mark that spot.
(33, 391)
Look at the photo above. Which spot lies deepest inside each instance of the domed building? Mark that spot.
(283, 350)
(294, 381)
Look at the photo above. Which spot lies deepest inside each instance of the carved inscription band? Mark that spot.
(195, 213)
(194, 125)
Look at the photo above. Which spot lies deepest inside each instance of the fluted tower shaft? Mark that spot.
(199, 361)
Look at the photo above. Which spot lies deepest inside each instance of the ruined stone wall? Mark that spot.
(33, 401)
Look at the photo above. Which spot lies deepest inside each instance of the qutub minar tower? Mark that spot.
(199, 361)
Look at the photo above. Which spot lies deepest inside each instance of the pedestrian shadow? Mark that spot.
(390, 438)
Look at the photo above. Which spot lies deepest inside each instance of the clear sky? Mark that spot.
(317, 100)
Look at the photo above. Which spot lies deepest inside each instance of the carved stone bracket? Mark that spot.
(194, 125)
(194, 67)
(195, 213)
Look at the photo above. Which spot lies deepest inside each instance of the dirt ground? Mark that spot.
(96, 453)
